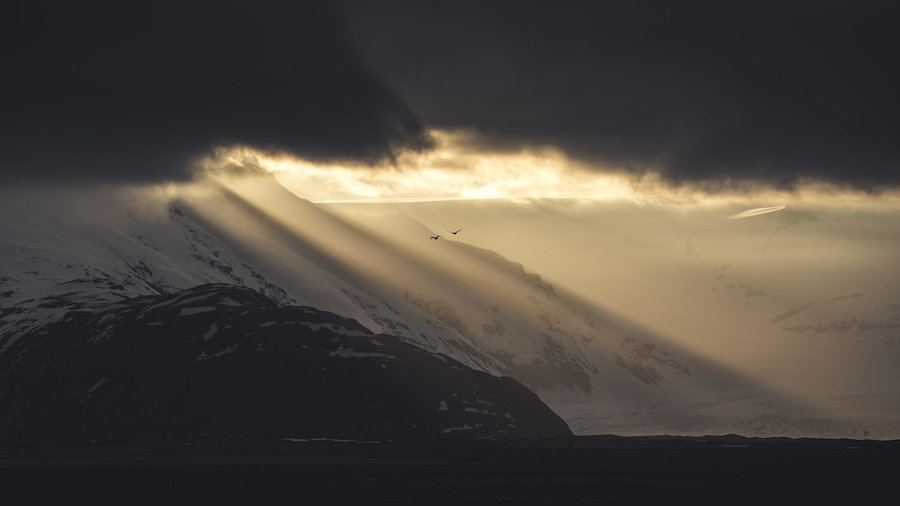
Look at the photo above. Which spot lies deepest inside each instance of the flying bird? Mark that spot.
(454, 233)
(435, 237)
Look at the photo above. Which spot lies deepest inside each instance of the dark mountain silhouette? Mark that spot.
(222, 361)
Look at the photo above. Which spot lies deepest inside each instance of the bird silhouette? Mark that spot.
(454, 233)
(435, 237)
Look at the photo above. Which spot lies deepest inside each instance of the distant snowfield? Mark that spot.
(782, 324)
(804, 301)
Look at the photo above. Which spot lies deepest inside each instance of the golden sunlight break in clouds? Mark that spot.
(451, 171)
(458, 169)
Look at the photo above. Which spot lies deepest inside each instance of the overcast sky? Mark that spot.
(695, 91)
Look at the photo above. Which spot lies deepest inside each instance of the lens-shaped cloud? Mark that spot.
(756, 212)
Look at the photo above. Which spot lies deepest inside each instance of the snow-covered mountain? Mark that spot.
(446, 297)
(443, 296)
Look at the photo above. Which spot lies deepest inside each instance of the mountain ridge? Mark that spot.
(219, 360)
(445, 297)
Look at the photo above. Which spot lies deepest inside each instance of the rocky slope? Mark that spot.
(226, 361)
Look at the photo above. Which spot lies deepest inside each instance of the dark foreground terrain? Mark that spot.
(222, 361)
(583, 470)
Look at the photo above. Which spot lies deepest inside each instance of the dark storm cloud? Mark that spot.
(701, 91)
(132, 91)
